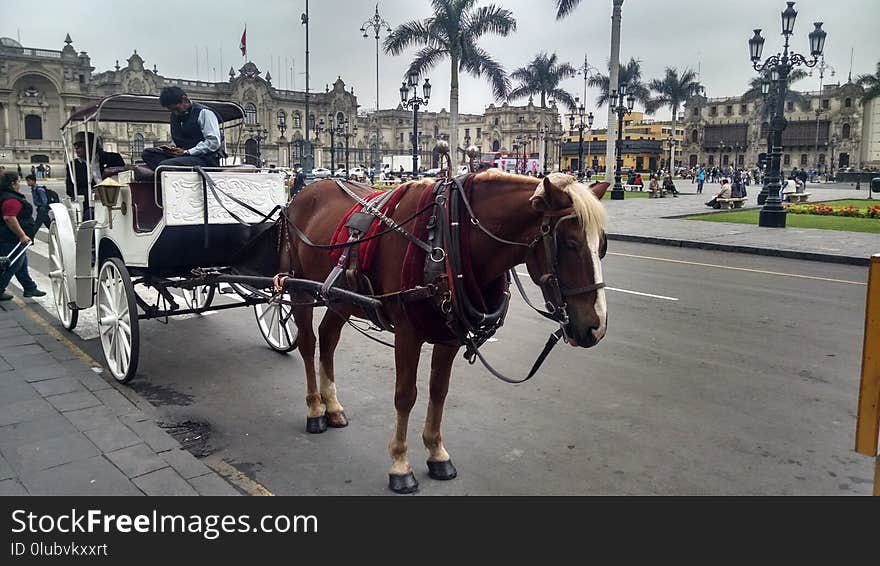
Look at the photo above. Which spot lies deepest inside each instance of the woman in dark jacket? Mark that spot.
(18, 228)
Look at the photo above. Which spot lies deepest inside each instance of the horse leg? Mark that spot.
(328, 337)
(439, 463)
(407, 350)
(316, 422)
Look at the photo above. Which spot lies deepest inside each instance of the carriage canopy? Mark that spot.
(145, 109)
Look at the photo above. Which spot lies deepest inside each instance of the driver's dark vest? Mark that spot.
(25, 218)
(185, 129)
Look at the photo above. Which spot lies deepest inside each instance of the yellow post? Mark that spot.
(868, 420)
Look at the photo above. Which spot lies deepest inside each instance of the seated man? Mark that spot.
(194, 129)
(723, 193)
(84, 145)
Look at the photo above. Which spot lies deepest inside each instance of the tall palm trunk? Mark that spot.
(453, 112)
(613, 79)
(672, 148)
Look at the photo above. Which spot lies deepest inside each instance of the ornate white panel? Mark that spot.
(183, 196)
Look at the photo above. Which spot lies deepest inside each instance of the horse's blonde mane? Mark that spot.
(587, 207)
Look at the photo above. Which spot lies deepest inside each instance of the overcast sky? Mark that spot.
(680, 33)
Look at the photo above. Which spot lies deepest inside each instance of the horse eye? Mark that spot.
(572, 244)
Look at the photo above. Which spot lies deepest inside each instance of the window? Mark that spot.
(711, 160)
(826, 103)
(786, 160)
(696, 111)
(311, 124)
(725, 160)
(729, 110)
(282, 118)
(137, 146)
(401, 138)
(297, 148)
(33, 127)
(467, 132)
(340, 117)
(740, 160)
(822, 159)
(496, 120)
(713, 111)
(297, 120)
(803, 160)
(847, 103)
(845, 131)
(789, 106)
(250, 114)
(479, 133)
(400, 121)
(743, 108)
(695, 136)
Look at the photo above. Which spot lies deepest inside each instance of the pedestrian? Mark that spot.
(40, 199)
(701, 178)
(723, 193)
(41, 171)
(17, 229)
(18, 166)
(669, 186)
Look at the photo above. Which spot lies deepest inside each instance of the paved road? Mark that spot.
(727, 374)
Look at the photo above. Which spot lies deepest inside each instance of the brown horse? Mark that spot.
(511, 207)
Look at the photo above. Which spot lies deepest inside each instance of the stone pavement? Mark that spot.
(653, 221)
(66, 430)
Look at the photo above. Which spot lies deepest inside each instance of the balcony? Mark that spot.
(37, 145)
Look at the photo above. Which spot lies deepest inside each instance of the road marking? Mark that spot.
(662, 297)
(762, 271)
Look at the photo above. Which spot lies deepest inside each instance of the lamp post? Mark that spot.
(346, 131)
(282, 127)
(318, 130)
(412, 100)
(580, 121)
(780, 65)
(308, 152)
(833, 142)
(376, 25)
(260, 135)
(621, 103)
(332, 130)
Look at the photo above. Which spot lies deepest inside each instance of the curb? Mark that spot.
(791, 254)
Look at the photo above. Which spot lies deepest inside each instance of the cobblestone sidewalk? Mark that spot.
(65, 430)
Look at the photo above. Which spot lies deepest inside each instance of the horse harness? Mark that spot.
(443, 279)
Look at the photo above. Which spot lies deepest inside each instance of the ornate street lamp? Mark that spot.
(260, 135)
(411, 100)
(282, 127)
(580, 121)
(780, 65)
(621, 104)
(376, 25)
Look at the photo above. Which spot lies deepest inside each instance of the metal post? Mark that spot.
(415, 140)
(308, 152)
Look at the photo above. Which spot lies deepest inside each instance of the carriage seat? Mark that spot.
(113, 171)
(145, 214)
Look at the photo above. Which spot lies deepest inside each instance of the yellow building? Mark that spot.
(645, 145)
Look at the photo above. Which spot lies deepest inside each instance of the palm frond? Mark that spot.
(565, 7)
(564, 97)
(479, 63)
(488, 19)
(426, 59)
(407, 35)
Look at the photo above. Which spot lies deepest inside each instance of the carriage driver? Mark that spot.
(194, 129)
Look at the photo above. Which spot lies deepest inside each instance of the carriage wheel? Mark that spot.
(57, 273)
(118, 320)
(200, 297)
(276, 325)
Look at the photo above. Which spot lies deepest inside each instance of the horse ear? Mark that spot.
(600, 188)
(549, 197)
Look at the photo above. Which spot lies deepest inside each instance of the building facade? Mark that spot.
(826, 132)
(40, 88)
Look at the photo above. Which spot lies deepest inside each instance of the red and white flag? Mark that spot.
(243, 44)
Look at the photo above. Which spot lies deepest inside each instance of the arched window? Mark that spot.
(250, 114)
(848, 103)
(252, 152)
(282, 118)
(137, 146)
(33, 127)
(803, 160)
(845, 131)
(311, 124)
(496, 145)
(297, 120)
(340, 117)
(297, 150)
(695, 136)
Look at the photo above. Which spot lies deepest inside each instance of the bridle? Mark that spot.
(473, 328)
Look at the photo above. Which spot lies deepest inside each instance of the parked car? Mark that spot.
(340, 172)
(433, 172)
(320, 172)
(357, 173)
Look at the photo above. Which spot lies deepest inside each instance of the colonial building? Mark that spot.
(39, 88)
(827, 132)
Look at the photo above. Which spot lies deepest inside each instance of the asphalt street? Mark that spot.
(720, 374)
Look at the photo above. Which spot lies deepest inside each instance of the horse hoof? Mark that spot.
(316, 425)
(442, 470)
(403, 483)
(337, 420)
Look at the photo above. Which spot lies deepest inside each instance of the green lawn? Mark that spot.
(869, 225)
(629, 194)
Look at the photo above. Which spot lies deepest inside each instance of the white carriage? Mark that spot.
(175, 231)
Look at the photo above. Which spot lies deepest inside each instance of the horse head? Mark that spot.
(566, 262)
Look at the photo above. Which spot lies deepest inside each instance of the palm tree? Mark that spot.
(452, 31)
(630, 75)
(542, 76)
(673, 90)
(564, 7)
(871, 84)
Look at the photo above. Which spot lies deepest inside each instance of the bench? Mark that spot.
(796, 198)
(633, 188)
(727, 203)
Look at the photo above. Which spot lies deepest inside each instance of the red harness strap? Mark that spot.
(367, 249)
